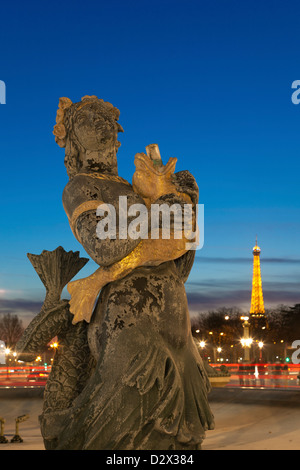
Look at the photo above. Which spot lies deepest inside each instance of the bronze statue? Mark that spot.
(128, 374)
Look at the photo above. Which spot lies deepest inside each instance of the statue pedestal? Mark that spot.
(218, 382)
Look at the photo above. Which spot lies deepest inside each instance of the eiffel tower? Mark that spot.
(257, 310)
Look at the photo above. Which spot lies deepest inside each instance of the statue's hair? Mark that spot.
(66, 111)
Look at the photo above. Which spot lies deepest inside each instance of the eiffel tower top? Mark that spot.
(256, 249)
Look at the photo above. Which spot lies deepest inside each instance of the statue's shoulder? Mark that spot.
(185, 182)
(89, 189)
(98, 180)
(94, 186)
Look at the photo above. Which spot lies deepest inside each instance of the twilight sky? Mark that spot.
(209, 82)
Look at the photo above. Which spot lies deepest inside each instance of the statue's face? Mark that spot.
(95, 128)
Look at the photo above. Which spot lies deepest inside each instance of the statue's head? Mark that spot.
(89, 132)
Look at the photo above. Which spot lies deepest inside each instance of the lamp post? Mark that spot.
(7, 353)
(260, 345)
(54, 346)
(246, 340)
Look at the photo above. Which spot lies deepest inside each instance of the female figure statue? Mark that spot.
(147, 387)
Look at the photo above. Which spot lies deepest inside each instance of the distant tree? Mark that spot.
(293, 320)
(219, 328)
(284, 323)
(222, 325)
(11, 329)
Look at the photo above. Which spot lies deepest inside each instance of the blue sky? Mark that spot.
(210, 82)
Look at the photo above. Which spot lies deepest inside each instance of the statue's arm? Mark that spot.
(103, 252)
(84, 225)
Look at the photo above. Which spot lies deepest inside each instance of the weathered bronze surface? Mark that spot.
(127, 373)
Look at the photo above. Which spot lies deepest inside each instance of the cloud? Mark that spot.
(207, 259)
(25, 309)
(234, 284)
(20, 304)
(202, 300)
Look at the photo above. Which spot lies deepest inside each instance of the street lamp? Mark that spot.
(260, 345)
(246, 340)
(7, 353)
